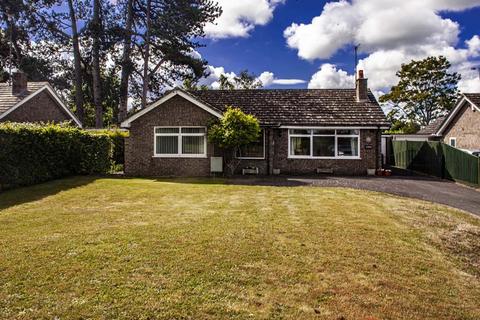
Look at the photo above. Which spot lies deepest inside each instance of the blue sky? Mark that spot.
(252, 36)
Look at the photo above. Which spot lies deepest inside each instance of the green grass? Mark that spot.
(144, 249)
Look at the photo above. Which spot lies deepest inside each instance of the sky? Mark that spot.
(310, 43)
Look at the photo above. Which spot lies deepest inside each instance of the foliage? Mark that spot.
(117, 138)
(190, 84)
(426, 90)
(33, 153)
(244, 80)
(399, 125)
(234, 130)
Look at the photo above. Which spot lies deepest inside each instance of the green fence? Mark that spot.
(436, 159)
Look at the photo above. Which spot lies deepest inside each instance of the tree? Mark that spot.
(96, 26)
(244, 80)
(401, 125)
(426, 90)
(234, 130)
(159, 38)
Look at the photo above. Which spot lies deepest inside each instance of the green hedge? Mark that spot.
(34, 153)
(118, 143)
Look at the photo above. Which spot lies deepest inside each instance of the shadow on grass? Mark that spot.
(18, 196)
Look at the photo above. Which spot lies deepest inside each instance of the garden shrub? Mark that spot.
(118, 143)
(34, 153)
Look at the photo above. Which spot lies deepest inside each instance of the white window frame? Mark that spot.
(180, 141)
(335, 135)
(256, 158)
(450, 142)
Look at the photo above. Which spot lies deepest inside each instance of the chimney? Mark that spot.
(361, 87)
(19, 83)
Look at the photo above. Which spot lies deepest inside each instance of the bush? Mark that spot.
(33, 153)
(118, 143)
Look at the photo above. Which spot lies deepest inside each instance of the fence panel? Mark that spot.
(436, 159)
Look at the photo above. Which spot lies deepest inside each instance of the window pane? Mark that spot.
(193, 144)
(193, 130)
(300, 146)
(299, 131)
(347, 147)
(166, 130)
(253, 150)
(324, 131)
(323, 146)
(348, 132)
(167, 144)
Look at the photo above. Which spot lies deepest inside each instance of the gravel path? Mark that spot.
(424, 188)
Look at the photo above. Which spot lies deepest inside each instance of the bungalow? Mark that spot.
(24, 101)
(303, 132)
(460, 128)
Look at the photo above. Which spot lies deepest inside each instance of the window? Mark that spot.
(324, 143)
(180, 142)
(255, 150)
(453, 142)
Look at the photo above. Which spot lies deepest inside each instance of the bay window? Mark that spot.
(324, 143)
(180, 142)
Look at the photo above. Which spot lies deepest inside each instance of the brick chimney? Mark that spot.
(19, 83)
(361, 87)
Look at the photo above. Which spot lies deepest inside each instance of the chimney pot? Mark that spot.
(361, 87)
(19, 83)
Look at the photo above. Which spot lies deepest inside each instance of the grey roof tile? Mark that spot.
(8, 100)
(316, 107)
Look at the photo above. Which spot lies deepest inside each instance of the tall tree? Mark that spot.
(426, 90)
(126, 61)
(77, 60)
(165, 34)
(96, 27)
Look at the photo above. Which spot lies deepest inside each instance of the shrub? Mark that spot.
(34, 153)
(118, 143)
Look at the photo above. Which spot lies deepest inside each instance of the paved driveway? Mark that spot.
(425, 188)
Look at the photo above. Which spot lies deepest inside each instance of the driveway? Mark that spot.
(424, 188)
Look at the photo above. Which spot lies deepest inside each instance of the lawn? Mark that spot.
(102, 248)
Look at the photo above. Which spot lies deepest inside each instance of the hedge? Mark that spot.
(34, 153)
(118, 143)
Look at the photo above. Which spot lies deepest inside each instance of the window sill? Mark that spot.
(249, 158)
(181, 156)
(323, 158)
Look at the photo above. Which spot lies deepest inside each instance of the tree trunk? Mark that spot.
(146, 56)
(77, 64)
(97, 87)
(126, 64)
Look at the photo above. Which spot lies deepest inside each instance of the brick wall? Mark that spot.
(41, 108)
(139, 160)
(465, 128)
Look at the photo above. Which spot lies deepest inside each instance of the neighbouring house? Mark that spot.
(24, 101)
(461, 128)
(303, 132)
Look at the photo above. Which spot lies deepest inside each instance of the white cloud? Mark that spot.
(268, 78)
(329, 77)
(239, 17)
(391, 32)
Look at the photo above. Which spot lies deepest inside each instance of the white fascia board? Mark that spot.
(127, 122)
(452, 115)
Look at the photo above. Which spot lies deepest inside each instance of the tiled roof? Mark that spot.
(433, 127)
(474, 98)
(8, 100)
(317, 107)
